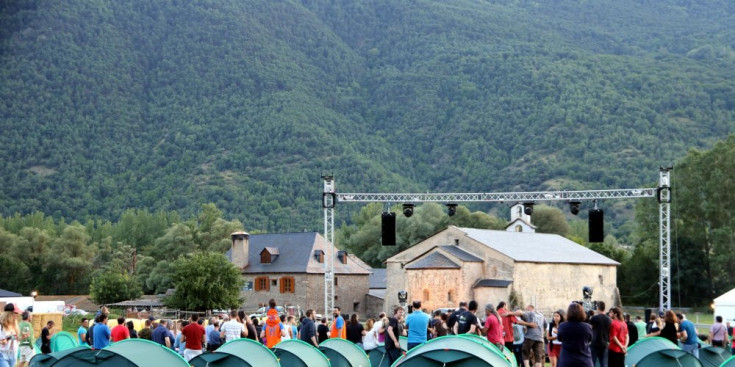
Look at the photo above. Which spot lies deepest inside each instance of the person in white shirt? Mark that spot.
(232, 329)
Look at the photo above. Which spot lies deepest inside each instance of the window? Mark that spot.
(274, 282)
(426, 295)
(262, 284)
(248, 286)
(336, 283)
(355, 306)
(265, 257)
(287, 284)
(450, 296)
(519, 228)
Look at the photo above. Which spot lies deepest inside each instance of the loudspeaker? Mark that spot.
(388, 230)
(596, 224)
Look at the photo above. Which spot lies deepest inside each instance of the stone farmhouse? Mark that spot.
(462, 264)
(289, 267)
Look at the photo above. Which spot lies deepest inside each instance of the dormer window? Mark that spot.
(342, 256)
(268, 255)
(319, 256)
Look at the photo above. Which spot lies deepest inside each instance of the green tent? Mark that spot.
(454, 351)
(403, 341)
(295, 353)
(81, 357)
(378, 358)
(344, 353)
(659, 352)
(506, 353)
(712, 356)
(238, 353)
(62, 341)
(143, 352)
(730, 362)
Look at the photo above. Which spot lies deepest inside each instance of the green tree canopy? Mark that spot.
(113, 286)
(205, 281)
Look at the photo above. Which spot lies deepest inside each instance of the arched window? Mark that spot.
(426, 295)
(450, 295)
(519, 228)
(520, 211)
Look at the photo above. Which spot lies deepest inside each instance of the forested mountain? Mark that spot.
(165, 105)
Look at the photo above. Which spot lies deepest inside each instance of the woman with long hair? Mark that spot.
(551, 335)
(653, 328)
(493, 327)
(575, 336)
(370, 340)
(355, 330)
(9, 333)
(671, 327)
(618, 339)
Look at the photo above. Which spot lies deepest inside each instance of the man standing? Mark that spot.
(214, 339)
(208, 329)
(120, 332)
(688, 336)
(192, 337)
(338, 329)
(632, 330)
(146, 332)
(46, 334)
(418, 324)
(273, 330)
(232, 329)
(467, 320)
(600, 335)
(393, 333)
(101, 333)
(533, 343)
(308, 329)
(493, 328)
(718, 333)
(455, 315)
(25, 350)
(82, 332)
(160, 334)
(641, 326)
(509, 318)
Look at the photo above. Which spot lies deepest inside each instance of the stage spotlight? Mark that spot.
(408, 210)
(574, 207)
(528, 208)
(451, 209)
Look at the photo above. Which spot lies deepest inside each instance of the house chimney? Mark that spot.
(240, 249)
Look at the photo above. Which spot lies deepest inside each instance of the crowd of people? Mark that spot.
(572, 337)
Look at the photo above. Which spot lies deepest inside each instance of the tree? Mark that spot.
(205, 281)
(114, 286)
(549, 219)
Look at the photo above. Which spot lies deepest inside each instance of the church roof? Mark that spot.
(378, 278)
(295, 254)
(537, 247)
(492, 283)
(461, 253)
(434, 260)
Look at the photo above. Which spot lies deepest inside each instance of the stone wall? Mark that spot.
(553, 286)
(309, 292)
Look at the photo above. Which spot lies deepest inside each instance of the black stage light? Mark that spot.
(528, 208)
(451, 209)
(408, 210)
(574, 207)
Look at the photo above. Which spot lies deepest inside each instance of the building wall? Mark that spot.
(309, 292)
(554, 286)
(484, 295)
(442, 286)
(374, 307)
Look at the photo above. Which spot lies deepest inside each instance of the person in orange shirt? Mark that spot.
(273, 330)
(338, 329)
(120, 332)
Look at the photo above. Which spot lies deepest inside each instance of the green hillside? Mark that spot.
(166, 105)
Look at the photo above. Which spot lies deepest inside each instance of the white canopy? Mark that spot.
(725, 305)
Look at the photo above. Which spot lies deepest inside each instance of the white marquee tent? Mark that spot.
(725, 305)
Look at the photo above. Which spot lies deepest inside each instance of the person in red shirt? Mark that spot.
(120, 332)
(618, 339)
(493, 328)
(192, 335)
(509, 318)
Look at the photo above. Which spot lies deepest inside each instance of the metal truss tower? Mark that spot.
(663, 193)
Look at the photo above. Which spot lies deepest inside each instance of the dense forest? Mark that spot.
(107, 106)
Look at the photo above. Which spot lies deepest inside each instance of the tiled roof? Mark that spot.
(4, 293)
(537, 247)
(295, 254)
(460, 253)
(434, 260)
(378, 278)
(492, 283)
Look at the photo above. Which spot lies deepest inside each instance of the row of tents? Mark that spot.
(456, 351)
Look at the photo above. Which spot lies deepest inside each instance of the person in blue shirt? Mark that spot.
(82, 332)
(688, 336)
(160, 334)
(418, 325)
(101, 334)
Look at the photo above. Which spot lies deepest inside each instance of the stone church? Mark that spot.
(462, 264)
